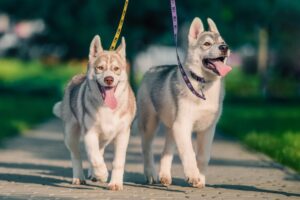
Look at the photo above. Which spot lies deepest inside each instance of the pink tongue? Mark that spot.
(110, 99)
(222, 68)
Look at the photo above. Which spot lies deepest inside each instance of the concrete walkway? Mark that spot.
(37, 166)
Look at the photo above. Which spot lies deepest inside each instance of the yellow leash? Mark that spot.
(118, 32)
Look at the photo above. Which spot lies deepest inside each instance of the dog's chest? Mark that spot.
(206, 115)
(107, 123)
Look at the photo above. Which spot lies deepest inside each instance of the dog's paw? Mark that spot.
(77, 181)
(150, 175)
(99, 175)
(115, 186)
(102, 179)
(197, 181)
(151, 180)
(165, 180)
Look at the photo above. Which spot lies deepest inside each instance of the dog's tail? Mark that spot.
(57, 109)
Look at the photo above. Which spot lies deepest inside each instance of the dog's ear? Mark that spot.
(95, 47)
(195, 29)
(122, 48)
(212, 26)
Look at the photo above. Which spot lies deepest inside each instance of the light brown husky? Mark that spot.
(99, 107)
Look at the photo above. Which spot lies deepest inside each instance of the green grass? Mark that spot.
(273, 129)
(28, 91)
(21, 112)
(35, 77)
(247, 86)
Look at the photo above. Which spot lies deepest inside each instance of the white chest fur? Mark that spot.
(205, 113)
(106, 123)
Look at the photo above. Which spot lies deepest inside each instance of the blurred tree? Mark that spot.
(73, 23)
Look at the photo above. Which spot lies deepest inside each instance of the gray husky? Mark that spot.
(164, 97)
(100, 107)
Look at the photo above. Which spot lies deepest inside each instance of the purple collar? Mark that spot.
(197, 78)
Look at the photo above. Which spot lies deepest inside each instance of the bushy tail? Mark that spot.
(57, 109)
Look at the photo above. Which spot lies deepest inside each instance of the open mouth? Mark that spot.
(217, 65)
(108, 95)
(108, 87)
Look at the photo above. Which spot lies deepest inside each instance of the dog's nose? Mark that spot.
(109, 80)
(223, 47)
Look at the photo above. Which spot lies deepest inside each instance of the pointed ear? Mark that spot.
(95, 47)
(122, 48)
(195, 29)
(212, 26)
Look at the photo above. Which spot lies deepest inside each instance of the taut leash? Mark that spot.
(183, 73)
(119, 29)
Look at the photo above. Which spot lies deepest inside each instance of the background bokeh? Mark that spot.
(44, 43)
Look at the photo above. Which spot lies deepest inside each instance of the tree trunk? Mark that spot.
(262, 60)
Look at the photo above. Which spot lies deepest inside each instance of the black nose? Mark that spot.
(109, 80)
(223, 47)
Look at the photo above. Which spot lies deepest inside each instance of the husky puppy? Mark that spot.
(100, 107)
(164, 97)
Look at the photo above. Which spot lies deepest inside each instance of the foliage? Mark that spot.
(271, 128)
(34, 77)
(72, 24)
(21, 112)
(28, 92)
(242, 86)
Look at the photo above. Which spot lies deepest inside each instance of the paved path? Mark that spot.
(37, 166)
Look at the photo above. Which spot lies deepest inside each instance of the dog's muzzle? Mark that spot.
(223, 48)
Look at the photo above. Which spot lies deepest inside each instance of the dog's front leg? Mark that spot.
(95, 156)
(121, 143)
(72, 140)
(204, 143)
(182, 132)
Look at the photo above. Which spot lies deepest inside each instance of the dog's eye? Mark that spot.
(116, 69)
(207, 44)
(100, 67)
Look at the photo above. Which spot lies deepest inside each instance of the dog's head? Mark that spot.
(107, 68)
(208, 49)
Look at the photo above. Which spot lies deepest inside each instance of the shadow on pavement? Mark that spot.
(132, 179)
(252, 189)
(22, 197)
(47, 169)
(51, 147)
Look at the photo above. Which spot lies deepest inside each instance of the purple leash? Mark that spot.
(183, 73)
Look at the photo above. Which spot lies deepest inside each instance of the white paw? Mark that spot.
(197, 181)
(77, 181)
(165, 179)
(115, 186)
(98, 174)
(151, 176)
(103, 178)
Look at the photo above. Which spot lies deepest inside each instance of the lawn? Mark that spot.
(35, 77)
(271, 128)
(28, 90)
(21, 112)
